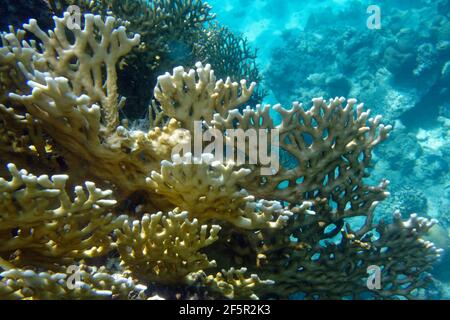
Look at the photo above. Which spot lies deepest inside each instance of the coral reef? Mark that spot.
(47, 223)
(27, 284)
(152, 216)
(173, 33)
(232, 56)
(401, 71)
(165, 248)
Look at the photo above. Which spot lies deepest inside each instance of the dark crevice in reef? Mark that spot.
(195, 291)
(12, 13)
(425, 113)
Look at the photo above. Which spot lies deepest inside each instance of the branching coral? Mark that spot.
(331, 262)
(330, 145)
(169, 30)
(197, 95)
(233, 284)
(173, 33)
(73, 62)
(165, 248)
(45, 223)
(74, 96)
(180, 218)
(208, 190)
(93, 284)
(160, 23)
(231, 55)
